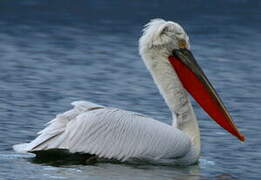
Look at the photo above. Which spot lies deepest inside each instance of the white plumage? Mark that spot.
(123, 135)
(111, 133)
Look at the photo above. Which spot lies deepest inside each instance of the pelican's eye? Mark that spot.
(182, 44)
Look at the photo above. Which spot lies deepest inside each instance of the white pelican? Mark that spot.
(123, 135)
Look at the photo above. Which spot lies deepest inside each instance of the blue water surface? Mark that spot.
(53, 52)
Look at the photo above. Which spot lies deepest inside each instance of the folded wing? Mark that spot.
(111, 133)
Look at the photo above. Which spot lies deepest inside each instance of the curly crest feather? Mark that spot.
(162, 36)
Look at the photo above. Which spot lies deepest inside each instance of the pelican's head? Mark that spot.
(165, 43)
(162, 37)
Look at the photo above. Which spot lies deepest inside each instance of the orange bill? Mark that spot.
(196, 83)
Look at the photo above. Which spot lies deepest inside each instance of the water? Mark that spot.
(58, 51)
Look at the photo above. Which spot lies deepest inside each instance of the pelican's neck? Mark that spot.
(174, 94)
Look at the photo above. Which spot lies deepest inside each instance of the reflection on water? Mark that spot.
(104, 170)
(55, 52)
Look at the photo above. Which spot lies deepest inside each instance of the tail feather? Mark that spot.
(49, 136)
(21, 148)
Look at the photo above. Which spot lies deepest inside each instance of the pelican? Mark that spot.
(112, 133)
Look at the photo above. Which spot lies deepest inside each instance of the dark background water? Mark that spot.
(53, 52)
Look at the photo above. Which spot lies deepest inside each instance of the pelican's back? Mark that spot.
(111, 133)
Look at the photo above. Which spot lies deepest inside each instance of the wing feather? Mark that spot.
(54, 131)
(119, 134)
(111, 133)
